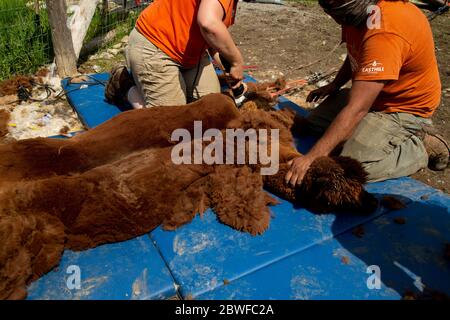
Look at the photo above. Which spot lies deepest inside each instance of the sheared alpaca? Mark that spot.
(117, 181)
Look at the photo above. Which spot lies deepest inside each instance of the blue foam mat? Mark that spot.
(127, 270)
(408, 256)
(301, 255)
(88, 100)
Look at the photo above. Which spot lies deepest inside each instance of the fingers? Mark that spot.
(314, 96)
(288, 176)
(294, 180)
(237, 73)
(297, 171)
(293, 176)
(237, 85)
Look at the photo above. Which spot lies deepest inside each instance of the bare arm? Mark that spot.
(216, 34)
(343, 76)
(362, 97)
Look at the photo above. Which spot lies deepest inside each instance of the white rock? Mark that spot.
(118, 45)
(105, 55)
(114, 52)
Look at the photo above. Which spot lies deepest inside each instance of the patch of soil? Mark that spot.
(280, 39)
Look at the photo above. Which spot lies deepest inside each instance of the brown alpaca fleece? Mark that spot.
(258, 95)
(4, 119)
(120, 201)
(11, 86)
(118, 181)
(128, 132)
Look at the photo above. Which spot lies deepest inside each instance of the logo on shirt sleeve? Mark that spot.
(373, 68)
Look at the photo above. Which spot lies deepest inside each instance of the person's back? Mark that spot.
(171, 25)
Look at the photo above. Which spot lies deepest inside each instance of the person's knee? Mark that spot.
(382, 164)
(135, 98)
(202, 82)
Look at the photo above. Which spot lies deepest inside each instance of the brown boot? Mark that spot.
(117, 87)
(437, 148)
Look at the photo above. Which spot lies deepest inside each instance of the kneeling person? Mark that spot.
(384, 119)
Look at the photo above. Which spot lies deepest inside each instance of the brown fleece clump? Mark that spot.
(11, 86)
(400, 220)
(359, 231)
(4, 119)
(345, 260)
(259, 95)
(427, 294)
(392, 203)
(42, 73)
(118, 181)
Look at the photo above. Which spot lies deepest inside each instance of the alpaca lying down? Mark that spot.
(117, 181)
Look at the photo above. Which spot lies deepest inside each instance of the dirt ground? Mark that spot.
(279, 40)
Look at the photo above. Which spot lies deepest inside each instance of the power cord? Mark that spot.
(25, 94)
(439, 11)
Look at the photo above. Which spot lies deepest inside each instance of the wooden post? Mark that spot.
(66, 60)
(37, 8)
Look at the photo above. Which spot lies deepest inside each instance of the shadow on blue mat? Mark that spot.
(406, 246)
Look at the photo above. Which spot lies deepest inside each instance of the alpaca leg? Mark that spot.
(37, 158)
(238, 199)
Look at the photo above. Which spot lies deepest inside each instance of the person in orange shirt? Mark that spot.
(167, 53)
(384, 119)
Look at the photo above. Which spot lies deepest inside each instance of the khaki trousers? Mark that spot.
(163, 81)
(385, 143)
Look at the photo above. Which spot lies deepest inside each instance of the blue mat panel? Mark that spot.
(127, 270)
(206, 254)
(88, 100)
(409, 257)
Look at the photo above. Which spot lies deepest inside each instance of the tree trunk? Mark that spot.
(62, 39)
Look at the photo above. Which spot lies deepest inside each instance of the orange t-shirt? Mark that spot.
(171, 25)
(401, 51)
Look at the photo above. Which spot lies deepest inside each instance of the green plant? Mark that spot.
(25, 35)
(25, 39)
